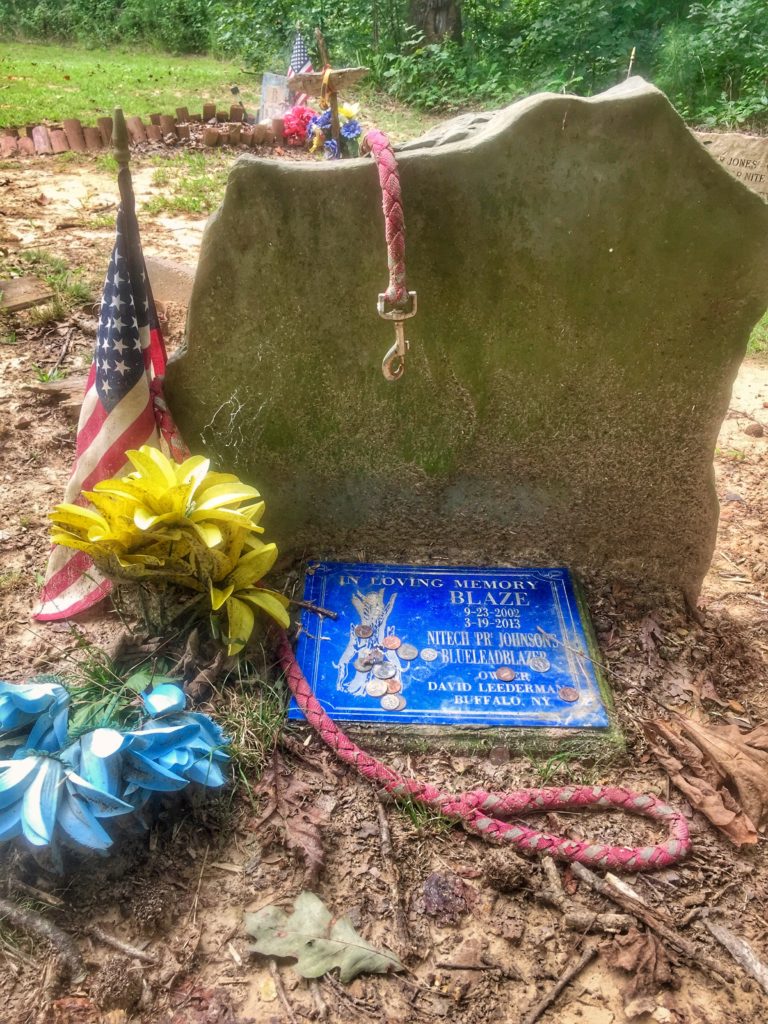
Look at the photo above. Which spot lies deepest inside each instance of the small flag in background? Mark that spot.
(122, 409)
(300, 64)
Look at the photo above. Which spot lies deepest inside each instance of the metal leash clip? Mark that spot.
(393, 363)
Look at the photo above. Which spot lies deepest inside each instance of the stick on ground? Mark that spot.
(741, 951)
(652, 920)
(29, 921)
(590, 952)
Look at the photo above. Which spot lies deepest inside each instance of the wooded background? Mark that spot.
(711, 58)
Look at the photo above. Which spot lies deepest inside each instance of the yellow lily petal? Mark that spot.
(240, 620)
(253, 566)
(272, 603)
(78, 516)
(152, 464)
(224, 494)
(218, 597)
(210, 534)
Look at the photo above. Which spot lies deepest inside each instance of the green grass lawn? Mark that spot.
(48, 83)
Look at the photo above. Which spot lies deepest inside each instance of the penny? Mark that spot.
(376, 688)
(364, 664)
(568, 693)
(385, 671)
(539, 663)
(390, 702)
(505, 673)
(394, 685)
(391, 642)
(408, 652)
(363, 632)
(429, 653)
(401, 702)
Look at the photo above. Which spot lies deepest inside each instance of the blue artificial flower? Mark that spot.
(51, 791)
(164, 699)
(39, 793)
(22, 703)
(332, 150)
(321, 121)
(351, 129)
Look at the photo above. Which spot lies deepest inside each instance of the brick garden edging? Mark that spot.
(206, 130)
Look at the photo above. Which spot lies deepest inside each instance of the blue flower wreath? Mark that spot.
(58, 789)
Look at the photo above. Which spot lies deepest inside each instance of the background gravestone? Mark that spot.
(587, 275)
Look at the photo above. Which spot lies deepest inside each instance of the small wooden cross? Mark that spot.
(313, 83)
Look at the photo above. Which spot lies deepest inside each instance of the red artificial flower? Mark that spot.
(295, 125)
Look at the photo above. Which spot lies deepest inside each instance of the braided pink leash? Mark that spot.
(474, 809)
(379, 145)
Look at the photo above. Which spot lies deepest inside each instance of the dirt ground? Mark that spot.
(478, 937)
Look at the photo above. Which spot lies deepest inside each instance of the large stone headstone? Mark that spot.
(587, 275)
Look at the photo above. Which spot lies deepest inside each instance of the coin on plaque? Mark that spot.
(390, 702)
(539, 663)
(364, 664)
(394, 685)
(391, 642)
(363, 632)
(376, 688)
(568, 694)
(505, 673)
(408, 652)
(375, 655)
(401, 702)
(385, 671)
(429, 653)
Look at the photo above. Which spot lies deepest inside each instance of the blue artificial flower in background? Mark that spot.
(23, 704)
(332, 150)
(55, 789)
(351, 129)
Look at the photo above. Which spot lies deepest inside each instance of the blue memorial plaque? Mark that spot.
(425, 645)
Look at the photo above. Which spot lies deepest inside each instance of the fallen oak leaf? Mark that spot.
(684, 762)
(317, 940)
(642, 956)
(737, 762)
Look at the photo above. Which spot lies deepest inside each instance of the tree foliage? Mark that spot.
(710, 56)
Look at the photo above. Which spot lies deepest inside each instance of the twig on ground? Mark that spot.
(321, 1007)
(36, 924)
(356, 1004)
(36, 894)
(123, 947)
(652, 919)
(193, 912)
(589, 954)
(385, 835)
(576, 917)
(281, 991)
(740, 950)
(316, 608)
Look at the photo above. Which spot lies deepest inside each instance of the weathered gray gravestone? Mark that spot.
(587, 275)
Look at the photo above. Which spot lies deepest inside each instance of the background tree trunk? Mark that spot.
(437, 19)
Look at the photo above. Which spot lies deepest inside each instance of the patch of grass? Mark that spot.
(101, 221)
(11, 580)
(9, 338)
(48, 376)
(194, 184)
(51, 82)
(70, 287)
(422, 819)
(758, 342)
(252, 713)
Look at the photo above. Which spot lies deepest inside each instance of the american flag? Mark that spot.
(300, 65)
(118, 411)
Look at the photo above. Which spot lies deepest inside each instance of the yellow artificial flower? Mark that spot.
(239, 594)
